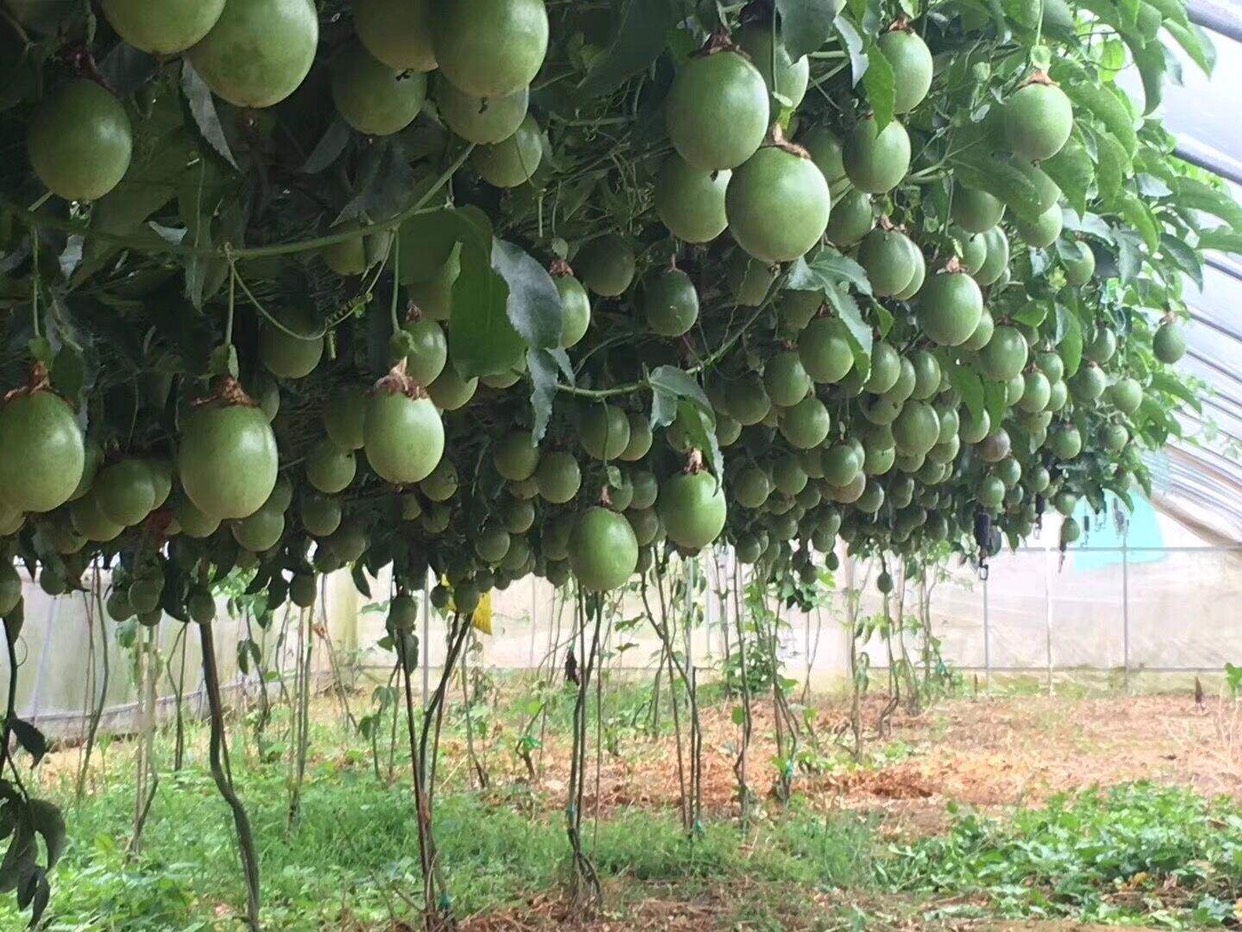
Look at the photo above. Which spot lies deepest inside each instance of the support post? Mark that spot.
(1125, 611)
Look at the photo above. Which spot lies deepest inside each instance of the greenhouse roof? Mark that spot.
(1202, 479)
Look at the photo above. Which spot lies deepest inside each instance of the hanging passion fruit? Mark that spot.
(604, 431)
(372, 97)
(825, 351)
(558, 477)
(691, 201)
(778, 204)
(996, 262)
(850, 220)
(1079, 263)
(330, 469)
(805, 425)
(80, 141)
(888, 258)
(876, 160)
(1044, 230)
(321, 516)
(1038, 120)
(481, 120)
(950, 307)
(606, 265)
(603, 551)
(343, 416)
(512, 161)
(911, 62)
(162, 29)
(1005, 354)
(403, 435)
(692, 509)
(670, 302)
(290, 353)
(575, 305)
(42, 456)
(515, 456)
(450, 391)
(228, 457)
(397, 32)
(785, 78)
(125, 492)
(490, 48)
(1168, 343)
(976, 211)
(716, 113)
(425, 358)
(259, 51)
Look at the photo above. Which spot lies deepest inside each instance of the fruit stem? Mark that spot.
(228, 321)
(559, 268)
(395, 252)
(34, 280)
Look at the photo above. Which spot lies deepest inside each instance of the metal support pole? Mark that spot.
(1125, 611)
(1048, 614)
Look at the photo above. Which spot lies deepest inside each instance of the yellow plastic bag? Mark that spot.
(481, 620)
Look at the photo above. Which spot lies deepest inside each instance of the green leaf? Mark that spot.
(1169, 384)
(642, 26)
(1149, 59)
(848, 312)
(329, 148)
(967, 382)
(482, 340)
(203, 109)
(1186, 259)
(1112, 166)
(880, 86)
(1192, 194)
(669, 385)
(543, 364)
(700, 425)
(1221, 239)
(1129, 254)
(1101, 101)
(995, 401)
(534, 304)
(979, 168)
(1073, 172)
(1195, 43)
(1174, 10)
(1069, 345)
(30, 738)
(806, 24)
(853, 42)
(48, 822)
(1136, 213)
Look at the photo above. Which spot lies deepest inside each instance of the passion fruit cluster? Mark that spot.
(881, 340)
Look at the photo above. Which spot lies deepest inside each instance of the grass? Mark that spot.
(1136, 853)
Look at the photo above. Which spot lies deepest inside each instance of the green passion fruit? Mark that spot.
(805, 425)
(606, 265)
(227, 460)
(1005, 354)
(372, 97)
(996, 262)
(558, 477)
(640, 438)
(777, 204)
(80, 141)
(670, 302)
(320, 516)
(481, 120)
(920, 274)
(691, 201)
(425, 357)
(397, 32)
(1038, 120)
(43, 455)
(911, 61)
(916, 429)
(450, 391)
(1102, 346)
(515, 456)
(785, 380)
(603, 551)
(717, 112)
(287, 354)
(575, 308)
(1168, 343)
(330, 469)
(403, 437)
(512, 161)
(888, 258)
(165, 28)
(976, 211)
(950, 307)
(876, 160)
(604, 431)
(1126, 394)
(125, 492)
(850, 220)
(692, 509)
(1044, 230)
(1079, 263)
(489, 48)
(784, 77)
(752, 487)
(825, 351)
(259, 51)
(343, 417)
(258, 533)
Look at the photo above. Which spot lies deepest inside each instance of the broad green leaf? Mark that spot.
(203, 108)
(1100, 101)
(1070, 344)
(534, 305)
(1138, 215)
(967, 382)
(48, 822)
(1196, 44)
(640, 38)
(1174, 10)
(853, 42)
(1195, 195)
(1111, 168)
(543, 366)
(1171, 385)
(1149, 59)
(806, 24)
(670, 382)
(1184, 257)
(482, 340)
(329, 147)
(1129, 254)
(1221, 239)
(1074, 173)
(880, 86)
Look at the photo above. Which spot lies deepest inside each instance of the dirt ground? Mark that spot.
(988, 753)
